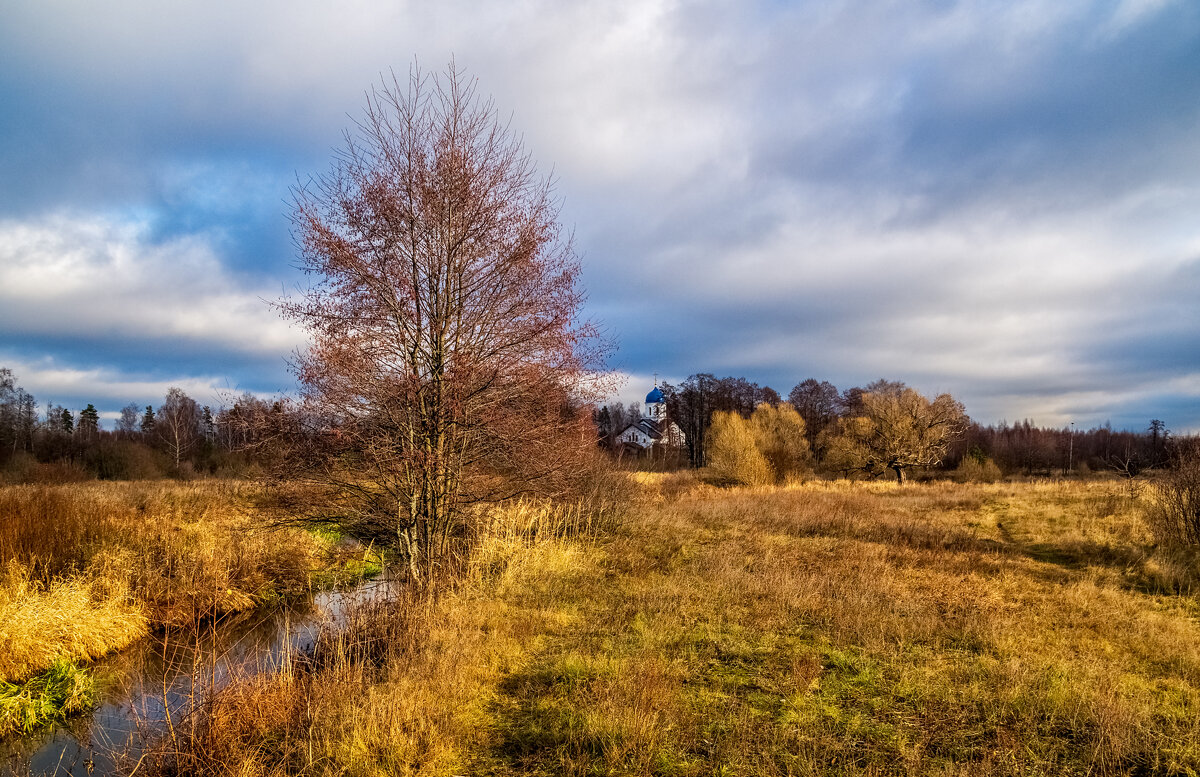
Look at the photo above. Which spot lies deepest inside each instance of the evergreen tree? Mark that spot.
(89, 421)
(207, 426)
(66, 421)
(148, 421)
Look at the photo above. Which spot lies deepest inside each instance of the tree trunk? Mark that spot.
(899, 470)
(411, 552)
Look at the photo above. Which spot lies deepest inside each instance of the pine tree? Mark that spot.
(207, 426)
(89, 421)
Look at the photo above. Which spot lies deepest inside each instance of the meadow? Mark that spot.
(828, 628)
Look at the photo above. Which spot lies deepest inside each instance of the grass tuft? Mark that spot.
(72, 619)
(62, 690)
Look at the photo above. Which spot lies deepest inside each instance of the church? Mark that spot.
(653, 428)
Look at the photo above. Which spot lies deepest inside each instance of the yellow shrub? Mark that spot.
(733, 453)
(973, 470)
(779, 436)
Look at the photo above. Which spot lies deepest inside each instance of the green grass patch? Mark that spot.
(62, 690)
(348, 572)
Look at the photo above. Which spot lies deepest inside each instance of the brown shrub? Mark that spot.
(1174, 509)
(974, 470)
(50, 530)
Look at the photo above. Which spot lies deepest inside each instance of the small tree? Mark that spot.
(779, 435)
(1158, 442)
(177, 423)
(147, 426)
(208, 426)
(448, 364)
(127, 424)
(89, 423)
(897, 429)
(817, 403)
(17, 413)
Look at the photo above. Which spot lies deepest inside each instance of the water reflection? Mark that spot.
(138, 686)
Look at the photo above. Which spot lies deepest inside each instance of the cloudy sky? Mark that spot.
(995, 198)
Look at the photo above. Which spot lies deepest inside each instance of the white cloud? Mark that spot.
(1129, 13)
(102, 277)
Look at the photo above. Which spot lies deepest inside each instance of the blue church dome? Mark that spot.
(655, 396)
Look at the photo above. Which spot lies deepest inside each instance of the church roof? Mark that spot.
(654, 396)
(648, 427)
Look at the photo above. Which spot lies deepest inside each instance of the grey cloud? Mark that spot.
(977, 197)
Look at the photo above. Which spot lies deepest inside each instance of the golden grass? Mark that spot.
(76, 619)
(87, 568)
(819, 628)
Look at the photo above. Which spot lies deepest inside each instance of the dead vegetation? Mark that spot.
(823, 628)
(1174, 511)
(87, 569)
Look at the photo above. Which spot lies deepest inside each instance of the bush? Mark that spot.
(733, 453)
(977, 470)
(23, 468)
(604, 492)
(1174, 510)
(779, 436)
(126, 460)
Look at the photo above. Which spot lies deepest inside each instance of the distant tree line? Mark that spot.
(178, 438)
(887, 426)
(881, 428)
(1023, 448)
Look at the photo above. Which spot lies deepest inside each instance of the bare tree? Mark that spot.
(448, 364)
(127, 424)
(897, 429)
(1173, 511)
(817, 403)
(692, 403)
(177, 423)
(9, 412)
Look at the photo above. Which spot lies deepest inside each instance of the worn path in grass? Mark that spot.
(835, 629)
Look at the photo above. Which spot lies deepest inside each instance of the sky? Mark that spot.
(993, 198)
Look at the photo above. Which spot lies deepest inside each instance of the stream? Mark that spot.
(136, 687)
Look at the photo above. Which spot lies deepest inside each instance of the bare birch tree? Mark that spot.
(176, 424)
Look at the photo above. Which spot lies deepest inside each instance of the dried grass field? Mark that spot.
(824, 628)
(89, 568)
